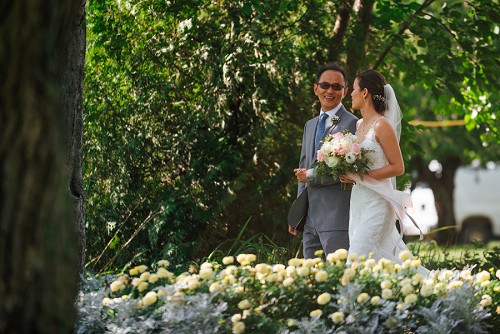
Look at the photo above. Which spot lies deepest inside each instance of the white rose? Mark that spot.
(321, 276)
(337, 317)
(386, 284)
(362, 297)
(386, 293)
(142, 286)
(163, 263)
(295, 262)
(164, 273)
(150, 298)
(332, 161)
(288, 281)
(411, 298)
(153, 278)
(315, 313)
(116, 286)
(214, 287)
(341, 253)
(404, 255)
(238, 327)
(303, 271)
(236, 317)
(193, 284)
(145, 276)
(483, 276)
(426, 290)
(324, 298)
(206, 272)
(485, 301)
(244, 304)
(407, 289)
(350, 158)
(375, 300)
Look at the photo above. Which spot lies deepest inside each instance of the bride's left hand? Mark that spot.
(345, 179)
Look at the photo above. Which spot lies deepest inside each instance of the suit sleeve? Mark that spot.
(302, 160)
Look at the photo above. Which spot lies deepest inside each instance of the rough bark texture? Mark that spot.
(72, 108)
(38, 253)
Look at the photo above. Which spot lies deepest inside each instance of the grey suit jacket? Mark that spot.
(328, 203)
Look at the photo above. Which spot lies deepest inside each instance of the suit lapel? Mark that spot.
(329, 129)
(312, 130)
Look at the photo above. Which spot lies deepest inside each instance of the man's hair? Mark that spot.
(331, 66)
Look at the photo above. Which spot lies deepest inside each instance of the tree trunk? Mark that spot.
(38, 275)
(341, 25)
(72, 108)
(356, 55)
(442, 186)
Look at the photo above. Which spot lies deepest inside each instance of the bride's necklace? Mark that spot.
(369, 123)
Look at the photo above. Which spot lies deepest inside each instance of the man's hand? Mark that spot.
(293, 231)
(300, 173)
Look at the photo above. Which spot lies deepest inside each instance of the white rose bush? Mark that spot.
(339, 295)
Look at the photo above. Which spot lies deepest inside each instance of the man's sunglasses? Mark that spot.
(326, 85)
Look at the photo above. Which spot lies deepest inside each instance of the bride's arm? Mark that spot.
(387, 138)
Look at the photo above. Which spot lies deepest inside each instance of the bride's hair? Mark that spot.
(374, 82)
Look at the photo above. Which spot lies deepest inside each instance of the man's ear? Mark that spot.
(315, 89)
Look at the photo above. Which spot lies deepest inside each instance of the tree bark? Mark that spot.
(341, 25)
(38, 275)
(72, 108)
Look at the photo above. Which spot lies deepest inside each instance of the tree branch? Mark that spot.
(405, 26)
(341, 24)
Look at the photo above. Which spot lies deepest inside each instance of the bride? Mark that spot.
(375, 203)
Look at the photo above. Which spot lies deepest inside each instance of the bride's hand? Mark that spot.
(345, 179)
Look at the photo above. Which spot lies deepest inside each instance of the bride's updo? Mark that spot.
(374, 82)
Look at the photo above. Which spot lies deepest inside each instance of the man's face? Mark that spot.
(330, 97)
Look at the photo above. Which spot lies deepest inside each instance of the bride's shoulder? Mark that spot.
(382, 123)
(383, 128)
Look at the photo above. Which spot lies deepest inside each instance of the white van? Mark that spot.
(477, 203)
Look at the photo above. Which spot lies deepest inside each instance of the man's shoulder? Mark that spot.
(347, 114)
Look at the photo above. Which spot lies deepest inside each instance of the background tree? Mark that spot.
(195, 110)
(72, 108)
(38, 267)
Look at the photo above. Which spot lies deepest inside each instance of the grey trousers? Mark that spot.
(328, 241)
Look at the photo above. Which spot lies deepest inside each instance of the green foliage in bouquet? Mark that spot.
(341, 294)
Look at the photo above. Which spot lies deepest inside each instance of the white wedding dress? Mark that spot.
(372, 219)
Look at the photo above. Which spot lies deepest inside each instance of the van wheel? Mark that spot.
(476, 231)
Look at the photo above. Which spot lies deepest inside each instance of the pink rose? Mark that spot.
(321, 157)
(341, 149)
(355, 148)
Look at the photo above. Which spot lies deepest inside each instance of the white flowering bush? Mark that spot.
(339, 295)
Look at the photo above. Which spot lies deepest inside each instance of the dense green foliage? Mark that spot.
(195, 109)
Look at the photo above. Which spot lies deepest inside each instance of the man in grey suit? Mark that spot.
(325, 203)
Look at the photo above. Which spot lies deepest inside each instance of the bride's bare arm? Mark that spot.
(387, 138)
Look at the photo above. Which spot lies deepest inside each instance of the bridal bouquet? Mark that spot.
(341, 153)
